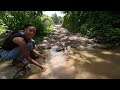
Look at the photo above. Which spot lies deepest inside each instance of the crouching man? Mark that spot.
(17, 47)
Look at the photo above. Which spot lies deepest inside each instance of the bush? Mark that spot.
(103, 25)
(2, 27)
(48, 28)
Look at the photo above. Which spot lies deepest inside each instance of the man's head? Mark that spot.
(29, 30)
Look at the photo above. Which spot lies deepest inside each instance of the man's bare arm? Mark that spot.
(38, 54)
(20, 41)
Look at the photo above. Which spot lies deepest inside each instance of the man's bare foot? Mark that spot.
(19, 64)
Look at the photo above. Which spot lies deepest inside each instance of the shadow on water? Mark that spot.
(98, 63)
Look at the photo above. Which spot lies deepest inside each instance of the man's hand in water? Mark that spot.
(38, 54)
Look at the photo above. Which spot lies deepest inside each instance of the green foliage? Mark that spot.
(57, 19)
(38, 39)
(40, 27)
(103, 25)
(44, 29)
(47, 28)
(15, 20)
(2, 27)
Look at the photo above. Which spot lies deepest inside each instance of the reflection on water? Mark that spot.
(54, 49)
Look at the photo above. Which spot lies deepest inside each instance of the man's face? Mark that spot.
(30, 32)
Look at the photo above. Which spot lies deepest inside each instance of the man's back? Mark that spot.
(9, 44)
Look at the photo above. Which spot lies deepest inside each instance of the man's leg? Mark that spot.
(20, 61)
(16, 55)
(30, 47)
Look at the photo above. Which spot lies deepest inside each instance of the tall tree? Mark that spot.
(55, 18)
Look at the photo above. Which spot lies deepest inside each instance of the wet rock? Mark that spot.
(2, 75)
(40, 47)
(48, 47)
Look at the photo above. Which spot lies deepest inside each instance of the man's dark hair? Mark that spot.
(27, 25)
